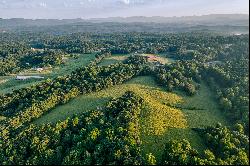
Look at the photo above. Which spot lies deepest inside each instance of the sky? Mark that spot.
(64, 9)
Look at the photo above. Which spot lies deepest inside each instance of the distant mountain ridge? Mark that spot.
(218, 19)
(231, 23)
(244, 18)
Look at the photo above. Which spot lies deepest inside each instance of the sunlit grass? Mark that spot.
(158, 116)
(208, 114)
(159, 122)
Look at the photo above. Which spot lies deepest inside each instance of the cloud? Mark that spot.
(127, 2)
(71, 3)
(43, 4)
(106, 8)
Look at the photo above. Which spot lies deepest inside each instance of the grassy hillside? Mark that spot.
(206, 114)
(144, 86)
(159, 121)
(207, 110)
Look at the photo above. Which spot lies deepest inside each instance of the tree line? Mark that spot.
(27, 104)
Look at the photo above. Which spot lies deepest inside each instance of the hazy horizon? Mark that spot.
(129, 16)
(69, 9)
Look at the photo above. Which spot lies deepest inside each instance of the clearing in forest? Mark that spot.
(161, 58)
(9, 83)
(115, 58)
(163, 116)
(157, 117)
(200, 110)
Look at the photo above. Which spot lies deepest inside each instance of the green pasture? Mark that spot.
(8, 83)
(159, 122)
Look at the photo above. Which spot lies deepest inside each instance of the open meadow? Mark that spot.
(159, 122)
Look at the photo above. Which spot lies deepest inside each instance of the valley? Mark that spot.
(130, 98)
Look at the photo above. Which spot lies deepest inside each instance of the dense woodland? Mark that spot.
(110, 135)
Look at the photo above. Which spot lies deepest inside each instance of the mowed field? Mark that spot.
(158, 122)
(162, 58)
(115, 58)
(8, 83)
